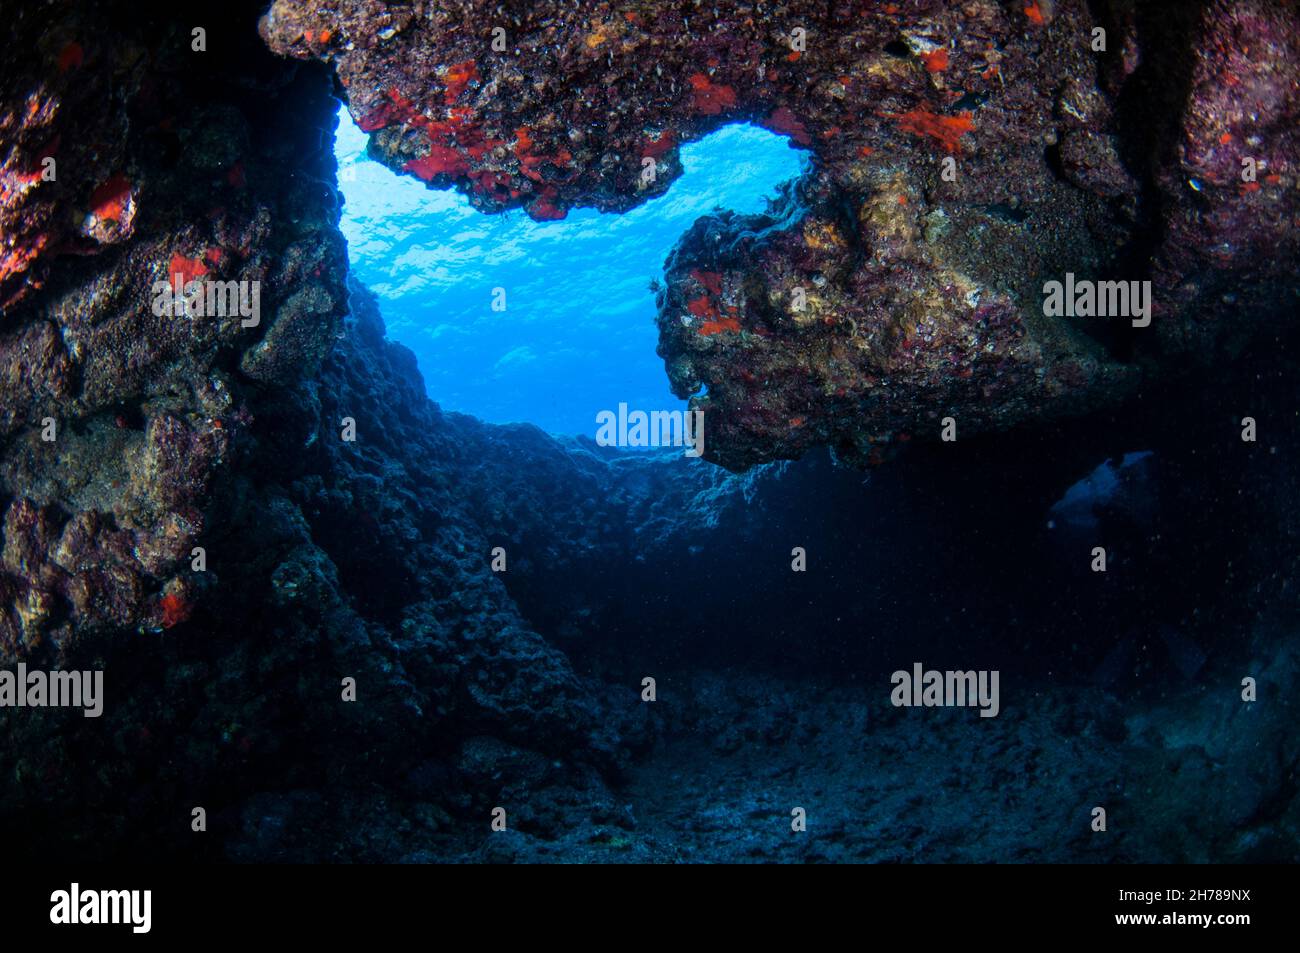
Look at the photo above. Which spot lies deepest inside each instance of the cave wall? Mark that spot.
(322, 559)
(328, 558)
(119, 422)
(131, 437)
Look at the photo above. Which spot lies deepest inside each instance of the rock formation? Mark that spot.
(233, 514)
(964, 154)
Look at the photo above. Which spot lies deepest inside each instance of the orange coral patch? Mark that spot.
(708, 98)
(709, 328)
(17, 260)
(936, 61)
(175, 610)
(458, 77)
(440, 161)
(658, 146)
(188, 268)
(702, 307)
(786, 123)
(947, 130)
(109, 200)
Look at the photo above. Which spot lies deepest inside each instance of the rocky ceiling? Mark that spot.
(892, 288)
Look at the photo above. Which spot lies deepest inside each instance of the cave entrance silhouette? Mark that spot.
(543, 322)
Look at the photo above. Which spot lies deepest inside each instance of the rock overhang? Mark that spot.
(961, 157)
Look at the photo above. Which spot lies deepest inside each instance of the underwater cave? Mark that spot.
(947, 572)
(547, 323)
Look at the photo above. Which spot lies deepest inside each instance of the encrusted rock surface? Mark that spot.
(900, 297)
(128, 438)
(862, 327)
(115, 419)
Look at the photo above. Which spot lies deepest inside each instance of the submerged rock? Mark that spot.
(963, 155)
(249, 521)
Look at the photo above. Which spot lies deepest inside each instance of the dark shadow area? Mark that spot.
(946, 554)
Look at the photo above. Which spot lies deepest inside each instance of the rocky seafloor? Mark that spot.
(130, 441)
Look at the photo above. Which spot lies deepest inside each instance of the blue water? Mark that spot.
(577, 335)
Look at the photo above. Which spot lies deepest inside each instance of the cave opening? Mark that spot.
(337, 624)
(576, 338)
(548, 323)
